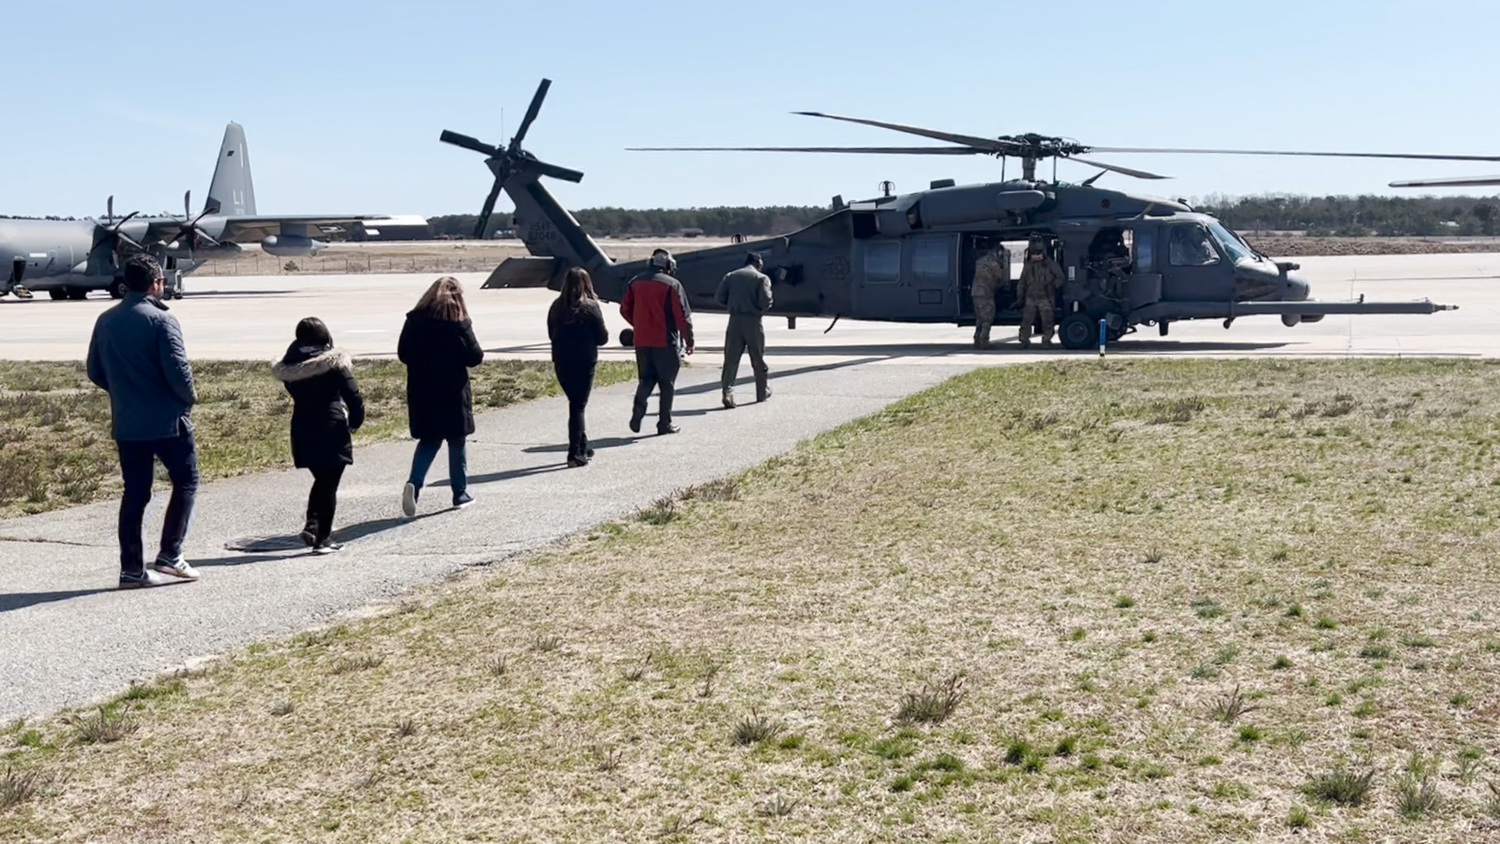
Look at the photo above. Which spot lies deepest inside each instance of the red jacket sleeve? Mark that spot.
(627, 304)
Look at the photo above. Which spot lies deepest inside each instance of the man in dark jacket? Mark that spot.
(657, 308)
(136, 354)
(746, 294)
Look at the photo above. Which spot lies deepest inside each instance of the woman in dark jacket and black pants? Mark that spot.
(576, 326)
(438, 347)
(326, 408)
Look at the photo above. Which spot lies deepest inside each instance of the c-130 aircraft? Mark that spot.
(1128, 260)
(69, 258)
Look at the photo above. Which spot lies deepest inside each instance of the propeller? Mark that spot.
(512, 159)
(195, 234)
(111, 230)
(1031, 148)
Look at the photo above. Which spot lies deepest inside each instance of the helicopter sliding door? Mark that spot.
(908, 279)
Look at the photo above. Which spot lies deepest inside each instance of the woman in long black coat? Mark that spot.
(438, 346)
(326, 409)
(576, 327)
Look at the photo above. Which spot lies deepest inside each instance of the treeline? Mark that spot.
(1359, 216)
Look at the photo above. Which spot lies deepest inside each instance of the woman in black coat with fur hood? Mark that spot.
(327, 408)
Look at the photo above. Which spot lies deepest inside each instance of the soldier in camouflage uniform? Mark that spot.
(991, 271)
(1041, 278)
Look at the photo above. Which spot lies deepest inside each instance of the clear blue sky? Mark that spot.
(342, 102)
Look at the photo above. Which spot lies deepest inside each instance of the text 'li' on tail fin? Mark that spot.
(232, 192)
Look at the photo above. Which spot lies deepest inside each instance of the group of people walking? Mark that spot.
(137, 355)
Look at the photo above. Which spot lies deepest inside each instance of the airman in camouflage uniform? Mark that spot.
(991, 271)
(1041, 278)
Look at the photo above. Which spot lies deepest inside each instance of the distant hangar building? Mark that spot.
(401, 227)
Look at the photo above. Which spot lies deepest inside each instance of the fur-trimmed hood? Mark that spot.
(328, 360)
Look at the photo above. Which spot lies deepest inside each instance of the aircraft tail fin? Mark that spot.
(232, 192)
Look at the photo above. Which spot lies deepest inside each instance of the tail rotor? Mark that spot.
(510, 160)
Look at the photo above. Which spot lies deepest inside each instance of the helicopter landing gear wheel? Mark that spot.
(1078, 331)
(117, 289)
(627, 337)
(57, 293)
(78, 294)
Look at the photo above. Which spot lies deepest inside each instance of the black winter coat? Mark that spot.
(326, 405)
(576, 334)
(438, 354)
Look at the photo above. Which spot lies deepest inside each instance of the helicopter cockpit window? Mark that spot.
(1189, 246)
(882, 262)
(1233, 246)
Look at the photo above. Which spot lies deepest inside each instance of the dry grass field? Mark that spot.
(55, 443)
(1073, 601)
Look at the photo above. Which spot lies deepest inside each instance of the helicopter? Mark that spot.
(1129, 260)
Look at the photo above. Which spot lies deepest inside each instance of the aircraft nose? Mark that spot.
(1297, 288)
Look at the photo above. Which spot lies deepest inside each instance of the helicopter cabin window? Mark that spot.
(1145, 252)
(1189, 246)
(882, 262)
(930, 260)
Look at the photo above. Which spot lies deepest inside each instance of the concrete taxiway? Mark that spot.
(253, 317)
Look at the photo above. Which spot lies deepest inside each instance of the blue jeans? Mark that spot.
(179, 455)
(458, 469)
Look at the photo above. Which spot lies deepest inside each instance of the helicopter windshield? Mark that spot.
(1232, 246)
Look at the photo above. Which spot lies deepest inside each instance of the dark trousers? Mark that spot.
(577, 380)
(323, 500)
(745, 334)
(657, 369)
(458, 464)
(179, 455)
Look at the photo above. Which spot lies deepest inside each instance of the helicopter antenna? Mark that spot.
(887, 187)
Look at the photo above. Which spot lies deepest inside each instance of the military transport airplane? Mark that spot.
(68, 258)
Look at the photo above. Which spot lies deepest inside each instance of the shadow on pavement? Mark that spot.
(713, 386)
(246, 559)
(22, 600)
(265, 546)
(496, 477)
(605, 442)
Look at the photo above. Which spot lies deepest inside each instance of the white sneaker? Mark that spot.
(175, 568)
(409, 500)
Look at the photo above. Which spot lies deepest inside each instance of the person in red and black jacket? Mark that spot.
(656, 308)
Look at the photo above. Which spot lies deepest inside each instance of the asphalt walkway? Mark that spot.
(70, 637)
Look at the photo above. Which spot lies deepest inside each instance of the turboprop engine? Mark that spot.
(291, 246)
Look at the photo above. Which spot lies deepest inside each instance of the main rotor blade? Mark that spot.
(980, 144)
(1139, 174)
(489, 208)
(1400, 155)
(531, 113)
(852, 150)
(468, 143)
(557, 172)
(1458, 181)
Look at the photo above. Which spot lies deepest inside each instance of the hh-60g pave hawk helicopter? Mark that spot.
(1128, 260)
